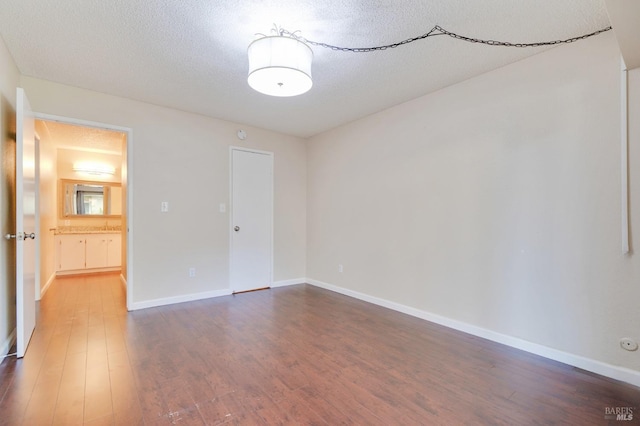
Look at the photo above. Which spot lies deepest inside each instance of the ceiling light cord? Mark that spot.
(436, 31)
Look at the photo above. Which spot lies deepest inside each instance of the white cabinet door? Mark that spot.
(114, 250)
(96, 251)
(71, 252)
(80, 252)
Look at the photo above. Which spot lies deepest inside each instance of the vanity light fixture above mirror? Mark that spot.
(96, 169)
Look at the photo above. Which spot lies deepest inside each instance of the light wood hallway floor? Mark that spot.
(293, 355)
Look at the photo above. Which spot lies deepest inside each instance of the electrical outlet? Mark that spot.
(192, 272)
(164, 206)
(628, 344)
(340, 268)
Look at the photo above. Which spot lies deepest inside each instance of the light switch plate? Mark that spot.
(223, 208)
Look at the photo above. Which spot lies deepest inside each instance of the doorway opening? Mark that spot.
(84, 200)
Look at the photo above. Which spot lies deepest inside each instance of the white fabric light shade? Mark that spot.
(280, 66)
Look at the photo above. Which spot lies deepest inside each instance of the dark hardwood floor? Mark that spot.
(294, 355)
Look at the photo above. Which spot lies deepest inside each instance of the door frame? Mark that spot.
(231, 208)
(37, 214)
(128, 280)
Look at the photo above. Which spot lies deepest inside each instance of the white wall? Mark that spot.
(8, 82)
(48, 206)
(494, 203)
(183, 158)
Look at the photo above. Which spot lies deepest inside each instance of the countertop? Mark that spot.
(65, 230)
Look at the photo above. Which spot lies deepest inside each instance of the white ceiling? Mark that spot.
(191, 55)
(625, 19)
(78, 138)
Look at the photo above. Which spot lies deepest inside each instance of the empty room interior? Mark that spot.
(346, 212)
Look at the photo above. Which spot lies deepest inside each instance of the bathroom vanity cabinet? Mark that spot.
(86, 253)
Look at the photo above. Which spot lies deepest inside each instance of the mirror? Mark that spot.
(89, 198)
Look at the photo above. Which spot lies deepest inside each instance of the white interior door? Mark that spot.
(25, 223)
(251, 220)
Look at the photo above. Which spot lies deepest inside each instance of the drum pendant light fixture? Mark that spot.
(280, 65)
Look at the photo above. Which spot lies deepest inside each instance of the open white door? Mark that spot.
(25, 223)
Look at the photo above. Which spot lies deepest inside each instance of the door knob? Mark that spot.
(21, 236)
(237, 228)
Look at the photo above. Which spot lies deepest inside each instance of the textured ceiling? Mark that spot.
(191, 55)
(68, 136)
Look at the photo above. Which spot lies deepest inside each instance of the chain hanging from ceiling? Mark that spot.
(438, 31)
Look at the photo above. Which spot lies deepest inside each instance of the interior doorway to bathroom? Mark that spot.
(83, 200)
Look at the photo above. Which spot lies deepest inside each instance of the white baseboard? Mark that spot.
(179, 299)
(47, 284)
(7, 344)
(618, 373)
(123, 280)
(88, 271)
(285, 283)
(199, 296)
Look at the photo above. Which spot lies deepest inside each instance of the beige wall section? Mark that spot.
(183, 158)
(9, 77)
(494, 202)
(48, 205)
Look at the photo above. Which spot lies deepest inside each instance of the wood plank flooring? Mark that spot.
(293, 355)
